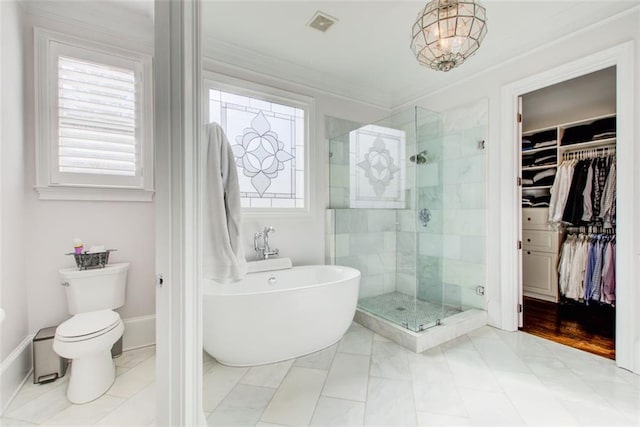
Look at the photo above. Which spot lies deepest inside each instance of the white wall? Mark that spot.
(490, 83)
(127, 226)
(302, 239)
(13, 292)
(590, 95)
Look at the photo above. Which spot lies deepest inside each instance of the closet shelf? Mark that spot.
(535, 168)
(537, 150)
(538, 187)
(534, 131)
(588, 144)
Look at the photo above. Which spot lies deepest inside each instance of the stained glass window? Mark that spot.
(268, 141)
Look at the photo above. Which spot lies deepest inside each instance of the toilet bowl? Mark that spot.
(87, 337)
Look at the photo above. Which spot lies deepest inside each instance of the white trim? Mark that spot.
(15, 370)
(139, 332)
(45, 93)
(178, 93)
(621, 56)
(215, 80)
(218, 53)
(120, 26)
(94, 194)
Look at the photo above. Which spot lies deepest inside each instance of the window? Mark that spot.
(377, 169)
(94, 121)
(268, 136)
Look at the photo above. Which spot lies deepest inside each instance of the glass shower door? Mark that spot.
(451, 191)
(429, 218)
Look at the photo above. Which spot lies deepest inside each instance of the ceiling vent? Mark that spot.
(321, 21)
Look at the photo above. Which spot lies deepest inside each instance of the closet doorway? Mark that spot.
(567, 184)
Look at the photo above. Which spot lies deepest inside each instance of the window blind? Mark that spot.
(96, 118)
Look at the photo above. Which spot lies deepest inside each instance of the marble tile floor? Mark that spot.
(487, 377)
(401, 308)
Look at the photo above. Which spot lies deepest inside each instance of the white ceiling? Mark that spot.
(366, 54)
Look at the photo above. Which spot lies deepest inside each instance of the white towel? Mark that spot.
(223, 251)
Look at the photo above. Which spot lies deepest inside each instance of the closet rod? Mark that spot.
(590, 229)
(589, 153)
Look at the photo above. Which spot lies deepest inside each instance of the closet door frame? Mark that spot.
(628, 304)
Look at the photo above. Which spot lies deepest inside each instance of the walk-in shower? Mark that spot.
(407, 209)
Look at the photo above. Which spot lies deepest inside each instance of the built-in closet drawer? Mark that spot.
(540, 240)
(535, 219)
(539, 275)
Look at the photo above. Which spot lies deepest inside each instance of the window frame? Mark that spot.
(215, 81)
(51, 183)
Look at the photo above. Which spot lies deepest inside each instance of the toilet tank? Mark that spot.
(96, 289)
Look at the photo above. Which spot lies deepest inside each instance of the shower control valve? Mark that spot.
(425, 217)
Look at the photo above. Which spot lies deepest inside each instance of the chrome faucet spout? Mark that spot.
(265, 251)
(265, 233)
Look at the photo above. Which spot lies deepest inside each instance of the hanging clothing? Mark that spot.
(596, 279)
(587, 210)
(583, 192)
(574, 206)
(575, 284)
(560, 190)
(609, 274)
(586, 268)
(567, 252)
(600, 179)
(608, 209)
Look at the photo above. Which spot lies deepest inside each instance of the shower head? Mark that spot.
(419, 158)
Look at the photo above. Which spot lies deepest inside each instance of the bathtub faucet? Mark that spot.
(265, 251)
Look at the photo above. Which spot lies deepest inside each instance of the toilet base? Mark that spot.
(91, 377)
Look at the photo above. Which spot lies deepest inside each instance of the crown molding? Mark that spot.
(105, 18)
(243, 60)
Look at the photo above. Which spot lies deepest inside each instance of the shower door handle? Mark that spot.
(425, 216)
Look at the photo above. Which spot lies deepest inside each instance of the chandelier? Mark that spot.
(447, 32)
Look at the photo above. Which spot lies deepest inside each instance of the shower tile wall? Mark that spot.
(339, 129)
(366, 239)
(362, 238)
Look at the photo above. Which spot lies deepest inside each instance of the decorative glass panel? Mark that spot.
(268, 142)
(377, 167)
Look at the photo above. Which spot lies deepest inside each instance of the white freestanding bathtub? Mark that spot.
(272, 316)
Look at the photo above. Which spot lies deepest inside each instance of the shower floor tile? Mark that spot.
(403, 309)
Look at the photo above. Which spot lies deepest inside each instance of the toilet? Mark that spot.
(87, 337)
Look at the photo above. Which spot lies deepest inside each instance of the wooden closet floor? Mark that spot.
(589, 328)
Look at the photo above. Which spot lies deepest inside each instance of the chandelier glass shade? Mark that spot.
(447, 32)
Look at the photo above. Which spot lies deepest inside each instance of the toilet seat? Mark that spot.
(85, 326)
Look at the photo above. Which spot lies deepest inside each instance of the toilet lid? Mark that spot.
(88, 323)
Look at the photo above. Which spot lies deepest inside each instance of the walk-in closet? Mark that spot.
(568, 188)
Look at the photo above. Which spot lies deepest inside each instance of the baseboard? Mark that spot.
(15, 370)
(139, 332)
